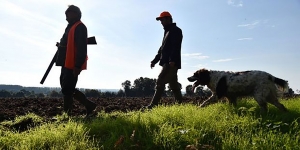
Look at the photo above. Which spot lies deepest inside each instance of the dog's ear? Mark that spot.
(204, 75)
(203, 70)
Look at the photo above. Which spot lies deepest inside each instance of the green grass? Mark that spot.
(218, 126)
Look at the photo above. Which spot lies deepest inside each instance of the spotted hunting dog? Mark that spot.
(261, 85)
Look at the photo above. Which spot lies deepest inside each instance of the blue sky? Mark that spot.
(230, 35)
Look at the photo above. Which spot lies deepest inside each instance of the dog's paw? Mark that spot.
(203, 105)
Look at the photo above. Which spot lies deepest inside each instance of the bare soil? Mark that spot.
(50, 107)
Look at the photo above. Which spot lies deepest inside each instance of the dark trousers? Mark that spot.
(67, 81)
(168, 75)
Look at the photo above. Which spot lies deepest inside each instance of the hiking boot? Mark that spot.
(178, 96)
(89, 105)
(68, 103)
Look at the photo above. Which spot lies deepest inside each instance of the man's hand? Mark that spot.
(152, 65)
(172, 64)
(76, 71)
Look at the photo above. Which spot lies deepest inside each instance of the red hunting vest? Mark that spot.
(71, 49)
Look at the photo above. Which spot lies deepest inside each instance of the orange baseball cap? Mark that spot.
(163, 14)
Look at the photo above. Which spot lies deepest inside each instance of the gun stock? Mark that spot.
(91, 40)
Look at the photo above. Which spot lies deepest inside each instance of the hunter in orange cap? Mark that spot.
(169, 57)
(163, 14)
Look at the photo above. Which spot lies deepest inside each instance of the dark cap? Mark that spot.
(163, 14)
(75, 9)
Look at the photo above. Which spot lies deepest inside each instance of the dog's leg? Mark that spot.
(279, 106)
(262, 95)
(232, 100)
(272, 98)
(263, 106)
(204, 103)
(213, 99)
(261, 100)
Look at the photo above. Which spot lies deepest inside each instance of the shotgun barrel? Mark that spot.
(49, 68)
(90, 40)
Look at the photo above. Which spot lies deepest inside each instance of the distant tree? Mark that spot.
(40, 95)
(26, 93)
(120, 93)
(32, 94)
(149, 86)
(291, 92)
(92, 93)
(109, 94)
(19, 94)
(138, 86)
(127, 87)
(4, 93)
(54, 94)
(144, 86)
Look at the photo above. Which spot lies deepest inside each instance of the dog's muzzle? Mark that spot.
(192, 79)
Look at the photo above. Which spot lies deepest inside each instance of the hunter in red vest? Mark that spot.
(72, 57)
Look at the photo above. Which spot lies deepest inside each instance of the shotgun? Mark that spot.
(90, 40)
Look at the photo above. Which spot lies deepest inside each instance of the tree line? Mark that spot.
(55, 93)
(140, 87)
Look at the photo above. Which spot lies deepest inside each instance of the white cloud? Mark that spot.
(195, 55)
(15, 10)
(256, 23)
(200, 66)
(250, 25)
(235, 3)
(223, 60)
(32, 40)
(243, 39)
(37, 30)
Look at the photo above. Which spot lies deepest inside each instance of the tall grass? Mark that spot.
(218, 126)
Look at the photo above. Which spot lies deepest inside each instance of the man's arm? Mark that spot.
(157, 57)
(175, 40)
(81, 45)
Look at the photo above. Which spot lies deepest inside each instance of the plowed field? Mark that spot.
(50, 107)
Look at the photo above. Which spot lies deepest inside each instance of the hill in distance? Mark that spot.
(16, 88)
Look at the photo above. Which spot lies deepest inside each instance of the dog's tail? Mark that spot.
(281, 85)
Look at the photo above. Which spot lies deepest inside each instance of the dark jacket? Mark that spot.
(170, 50)
(81, 45)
